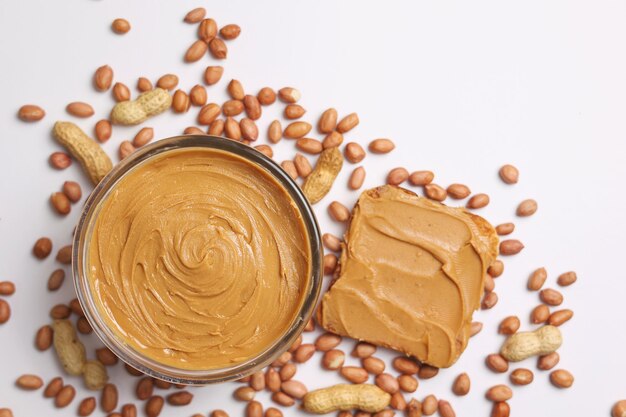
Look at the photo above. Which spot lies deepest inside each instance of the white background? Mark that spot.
(462, 87)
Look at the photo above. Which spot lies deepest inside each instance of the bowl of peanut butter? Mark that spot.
(197, 260)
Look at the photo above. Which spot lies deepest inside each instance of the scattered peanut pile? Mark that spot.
(391, 392)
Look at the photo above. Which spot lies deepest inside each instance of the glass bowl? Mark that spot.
(138, 360)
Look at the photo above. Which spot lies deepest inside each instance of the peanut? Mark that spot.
(445, 409)
(304, 353)
(120, 26)
(121, 92)
(461, 385)
(308, 145)
(294, 389)
(252, 106)
(198, 95)
(354, 374)
(328, 121)
(145, 388)
(429, 405)
(109, 398)
(489, 300)
(405, 365)
(397, 402)
(232, 130)
(540, 314)
(196, 15)
(87, 406)
(407, 383)
(319, 182)
(294, 111)
(59, 160)
(230, 31)
(126, 148)
(180, 102)
(254, 409)
(458, 191)
(72, 191)
(43, 338)
(363, 350)
(61, 203)
(80, 109)
(356, 178)
(387, 383)
(478, 201)
(619, 409)
(103, 130)
(290, 169)
(56, 280)
(303, 166)
(414, 408)
(60, 311)
(509, 325)
(232, 108)
(244, 394)
(275, 132)
(179, 398)
(338, 212)
(265, 150)
(333, 359)
(289, 95)
(95, 375)
(327, 341)
(333, 139)
(381, 146)
(547, 362)
(475, 328)
(505, 229)
(526, 208)
(537, 279)
(154, 406)
(561, 378)
(144, 84)
(106, 357)
(521, 376)
(421, 178)
(559, 317)
(500, 409)
(139, 110)
(287, 371)
(368, 398)
(266, 96)
(42, 247)
(427, 372)
(208, 114)
(95, 162)
(373, 365)
(31, 113)
(509, 174)
(511, 247)
(196, 51)
(348, 123)
(496, 268)
(435, 192)
(257, 381)
(65, 396)
(297, 130)
(207, 30)
(354, 152)
(249, 130)
(499, 393)
(272, 380)
(551, 297)
(213, 74)
(64, 255)
(218, 48)
(397, 176)
(217, 127)
(523, 345)
(497, 363)
(129, 410)
(53, 387)
(567, 278)
(29, 382)
(70, 351)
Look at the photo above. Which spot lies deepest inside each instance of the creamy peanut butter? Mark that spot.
(199, 259)
(411, 275)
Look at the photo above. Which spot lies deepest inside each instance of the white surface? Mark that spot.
(462, 87)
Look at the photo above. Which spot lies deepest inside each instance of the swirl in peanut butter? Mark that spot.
(199, 259)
